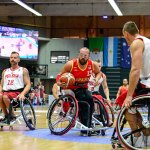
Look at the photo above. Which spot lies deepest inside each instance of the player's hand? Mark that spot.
(109, 101)
(96, 81)
(21, 97)
(127, 102)
(61, 84)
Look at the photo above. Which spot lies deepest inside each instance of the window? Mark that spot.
(59, 56)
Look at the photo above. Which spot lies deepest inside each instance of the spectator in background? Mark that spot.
(123, 88)
(36, 97)
(41, 93)
(32, 96)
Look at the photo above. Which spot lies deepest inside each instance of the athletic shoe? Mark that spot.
(4, 120)
(147, 140)
(12, 119)
(83, 133)
(137, 141)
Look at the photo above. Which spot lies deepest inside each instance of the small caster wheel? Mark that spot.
(102, 132)
(11, 128)
(1, 128)
(114, 146)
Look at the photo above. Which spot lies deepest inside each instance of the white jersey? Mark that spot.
(58, 90)
(91, 82)
(145, 64)
(13, 79)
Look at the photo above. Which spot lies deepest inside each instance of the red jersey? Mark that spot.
(124, 89)
(81, 76)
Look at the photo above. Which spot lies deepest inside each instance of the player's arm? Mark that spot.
(54, 89)
(119, 92)
(137, 49)
(26, 80)
(97, 73)
(67, 68)
(2, 82)
(105, 88)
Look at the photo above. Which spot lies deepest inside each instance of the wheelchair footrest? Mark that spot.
(91, 129)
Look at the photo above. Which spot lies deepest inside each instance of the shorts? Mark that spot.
(11, 94)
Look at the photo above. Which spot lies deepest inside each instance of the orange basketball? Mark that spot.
(68, 78)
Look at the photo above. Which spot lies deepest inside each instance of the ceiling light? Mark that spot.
(27, 7)
(115, 7)
(105, 17)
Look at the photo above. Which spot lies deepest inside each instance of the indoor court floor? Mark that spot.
(22, 138)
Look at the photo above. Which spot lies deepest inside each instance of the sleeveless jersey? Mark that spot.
(13, 79)
(58, 90)
(82, 76)
(145, 64)
(92, 81)
(123, 89)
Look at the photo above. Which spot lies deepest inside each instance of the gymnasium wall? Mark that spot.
(78, 26)
(71, 45)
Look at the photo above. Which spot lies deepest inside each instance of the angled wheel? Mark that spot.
(62, 117)
(49, 108)
(100, 112)
(28, 113)
(125, 134)
(110, 112)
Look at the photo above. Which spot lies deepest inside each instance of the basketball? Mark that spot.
(68, 78)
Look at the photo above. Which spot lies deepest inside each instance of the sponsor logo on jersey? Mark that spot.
(89, 66)
(82, 79)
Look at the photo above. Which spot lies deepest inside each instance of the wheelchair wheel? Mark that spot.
(28, 113)
(62, 117)
(100, 112)
(110, 112)
(49, 108)
(125, 134)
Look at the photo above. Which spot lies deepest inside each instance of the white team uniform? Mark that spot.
(58, 91)
(145, 64)
(91, 82)
(13, 79)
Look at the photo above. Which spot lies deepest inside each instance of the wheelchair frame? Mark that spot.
(73, 119)
(24, 117)
(140, 102)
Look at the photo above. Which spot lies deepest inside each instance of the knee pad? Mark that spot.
(132, 110)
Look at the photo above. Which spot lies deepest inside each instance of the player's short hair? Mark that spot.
(85, 49)
(130, 27)
(14, 52)
(98, 61)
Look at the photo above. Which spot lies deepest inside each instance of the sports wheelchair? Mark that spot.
(124, 132)
(26, 118)
(63, 116)
(109, 109)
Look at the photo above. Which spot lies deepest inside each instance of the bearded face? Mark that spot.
(83, 61)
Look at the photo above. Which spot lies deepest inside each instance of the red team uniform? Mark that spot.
(81, 76)
(124, 89)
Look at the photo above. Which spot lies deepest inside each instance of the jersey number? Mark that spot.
(89, 73)
(10, 82)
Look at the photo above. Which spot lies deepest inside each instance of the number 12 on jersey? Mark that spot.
(10, 82)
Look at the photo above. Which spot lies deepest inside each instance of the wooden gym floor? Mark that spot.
(16, 140)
